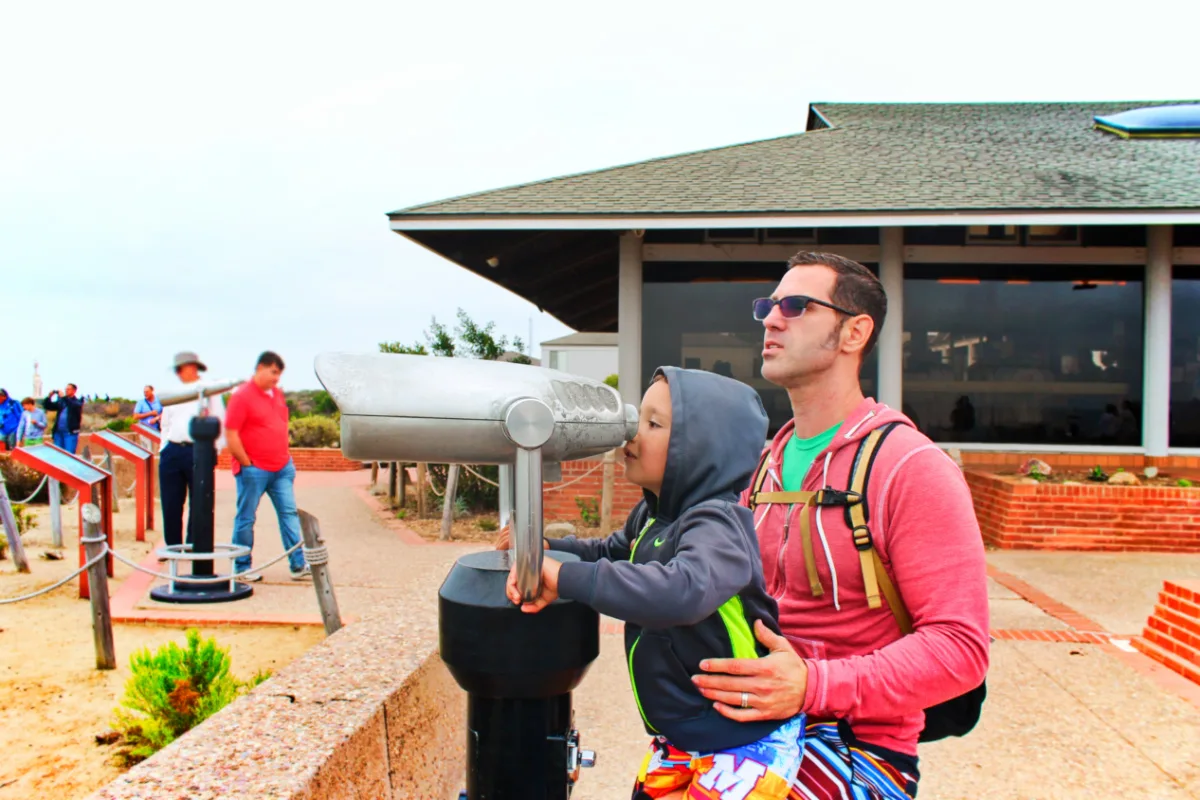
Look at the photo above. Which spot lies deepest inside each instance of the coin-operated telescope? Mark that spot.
(518, 669)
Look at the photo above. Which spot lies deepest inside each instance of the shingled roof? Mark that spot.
(886, 157)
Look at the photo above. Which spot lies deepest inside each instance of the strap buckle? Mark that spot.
(836, 497)
(862, 538)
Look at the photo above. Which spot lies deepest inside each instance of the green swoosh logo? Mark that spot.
(659, 541)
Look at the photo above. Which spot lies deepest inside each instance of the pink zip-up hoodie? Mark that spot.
(860, 667)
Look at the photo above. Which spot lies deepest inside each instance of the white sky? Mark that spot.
(216, 177)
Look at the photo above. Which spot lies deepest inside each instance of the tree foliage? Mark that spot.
(468, 340)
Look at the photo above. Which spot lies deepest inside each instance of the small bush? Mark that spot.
(489, 524)
(314, 432)
(401, 513)
(477, 495)
(120, 425)
(22, 480)
(26, 521)
(588, 511)
(172, 690)
(611, 380)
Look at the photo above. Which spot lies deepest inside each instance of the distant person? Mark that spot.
(175, 459)
(148, 410)
(10, 417)
(68, 419)
(257, 427)
(10, 420)
(32, 430)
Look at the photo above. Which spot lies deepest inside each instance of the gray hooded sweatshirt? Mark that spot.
(685, 572)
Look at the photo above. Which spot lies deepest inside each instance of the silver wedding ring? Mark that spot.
(745, 699)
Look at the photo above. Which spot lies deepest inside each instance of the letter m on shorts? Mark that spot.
(732, 783)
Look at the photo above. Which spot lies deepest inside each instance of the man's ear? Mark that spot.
(857, 332)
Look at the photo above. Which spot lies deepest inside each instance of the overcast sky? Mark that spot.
(216, 177)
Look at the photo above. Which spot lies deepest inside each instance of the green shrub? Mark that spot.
(611, 380)
(472, 494)
(314, 432)
(172, 690)
(489, 524)
(120, 425)
(588, 511)
(26, 521)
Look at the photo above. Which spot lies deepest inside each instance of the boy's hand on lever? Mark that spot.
(549, 594)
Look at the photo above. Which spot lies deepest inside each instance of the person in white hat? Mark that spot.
(175, 457)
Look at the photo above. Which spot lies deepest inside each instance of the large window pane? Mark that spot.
(1185, 358)
(1024, 354)
(710, 326)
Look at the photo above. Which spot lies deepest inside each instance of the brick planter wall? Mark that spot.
(1085, 517)
(559, 504)
(1172, 635)
(309, 459)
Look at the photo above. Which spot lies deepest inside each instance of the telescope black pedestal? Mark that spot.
(201, 497)
(518, 671)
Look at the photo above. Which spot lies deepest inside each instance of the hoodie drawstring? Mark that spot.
(824, 541)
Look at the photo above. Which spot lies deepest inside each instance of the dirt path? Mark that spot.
(52, 699)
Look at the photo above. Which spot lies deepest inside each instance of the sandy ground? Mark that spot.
(52, 699)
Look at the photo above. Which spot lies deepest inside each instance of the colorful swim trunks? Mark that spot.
(762, 770)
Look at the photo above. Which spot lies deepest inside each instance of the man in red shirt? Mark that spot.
(256, 427)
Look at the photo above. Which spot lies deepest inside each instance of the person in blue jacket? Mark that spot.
(10, 420)
(685, 575)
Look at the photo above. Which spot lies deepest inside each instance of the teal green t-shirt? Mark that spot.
(798, 455)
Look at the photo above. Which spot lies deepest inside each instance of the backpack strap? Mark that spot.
(875, 577)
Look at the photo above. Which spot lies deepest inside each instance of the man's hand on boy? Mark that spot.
(549, 594)
(504, 539)
(774, 685)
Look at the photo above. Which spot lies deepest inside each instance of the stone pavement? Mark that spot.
(1072, 710)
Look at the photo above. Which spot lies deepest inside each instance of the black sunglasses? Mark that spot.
(792, 306)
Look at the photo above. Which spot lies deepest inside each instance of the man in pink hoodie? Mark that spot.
(862, 682)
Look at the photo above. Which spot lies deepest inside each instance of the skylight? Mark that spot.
(1156, 122)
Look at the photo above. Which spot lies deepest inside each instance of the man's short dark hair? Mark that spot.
(28, 401)
(72, 386)
(270, 359)
(855, 288)
(148, 386)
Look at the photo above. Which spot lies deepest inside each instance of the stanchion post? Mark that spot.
(393, 467)
(111, 470)
(374, 473)
(94, 542)
(402, 484)
(310, 529)
(55, 513)
(421, 491)
(11, 530)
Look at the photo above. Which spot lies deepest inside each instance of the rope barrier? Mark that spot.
(35, 491)
(477, 475)
(189, 579)
(574, 480)
(99, 556)
(316, 556)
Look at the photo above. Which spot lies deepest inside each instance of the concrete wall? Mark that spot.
(369, 712)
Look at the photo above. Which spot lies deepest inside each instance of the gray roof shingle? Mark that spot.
(884, 158)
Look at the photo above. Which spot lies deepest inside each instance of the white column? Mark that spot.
(1156, 386)
(890, 389)
(629, 318)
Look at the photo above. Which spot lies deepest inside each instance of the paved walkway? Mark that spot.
(1071, 713)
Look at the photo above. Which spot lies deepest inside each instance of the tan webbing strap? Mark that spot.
(806, 543)
(759, 476)
(858, 519)
(893, 597)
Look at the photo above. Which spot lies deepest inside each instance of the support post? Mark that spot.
(10, 529)
(606, 492)
(318, 561)
(393, 468)
(448, 503)
(116, 490)
(505, 492)
(1156, 387)
(890, 386)
(374, 473)
(94, 541)
(401, 485)
(422, 499)
(629, 318)
(55, 513)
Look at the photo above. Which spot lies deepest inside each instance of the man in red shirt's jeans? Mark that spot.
(256, 427)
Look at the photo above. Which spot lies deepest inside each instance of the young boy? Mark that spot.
(685, 576)
(33, 424)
